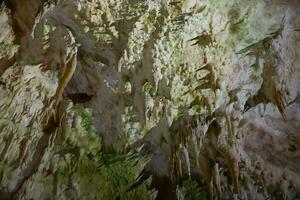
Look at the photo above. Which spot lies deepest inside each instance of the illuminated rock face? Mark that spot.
(95, 93)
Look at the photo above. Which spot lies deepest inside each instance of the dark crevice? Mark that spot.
(80, 97)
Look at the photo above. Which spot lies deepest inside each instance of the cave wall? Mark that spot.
(172, 89)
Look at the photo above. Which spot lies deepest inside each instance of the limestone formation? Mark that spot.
(149, 99)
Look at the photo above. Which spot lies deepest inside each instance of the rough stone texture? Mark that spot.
(205, 89)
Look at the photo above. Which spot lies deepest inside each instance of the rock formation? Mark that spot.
(150, 99)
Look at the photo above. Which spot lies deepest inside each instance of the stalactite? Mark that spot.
(187, 159)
